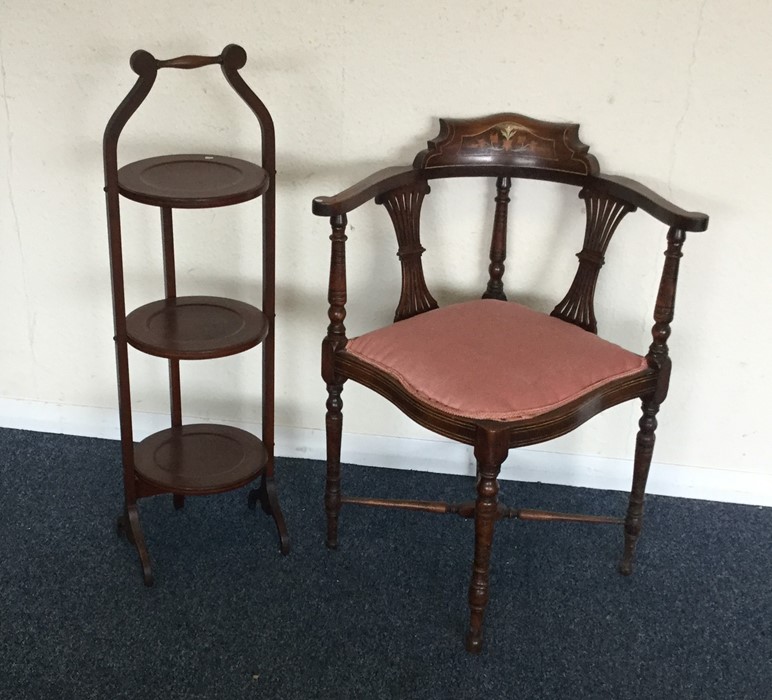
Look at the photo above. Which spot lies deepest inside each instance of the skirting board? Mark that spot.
(437, 455)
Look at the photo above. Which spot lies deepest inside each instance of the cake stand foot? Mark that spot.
(128, 524)
(269, 501)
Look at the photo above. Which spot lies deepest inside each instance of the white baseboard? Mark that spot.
(436, 455)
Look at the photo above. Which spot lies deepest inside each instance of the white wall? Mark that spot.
(674, 94)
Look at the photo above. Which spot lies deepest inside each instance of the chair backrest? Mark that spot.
(505, 146)
(510, 141)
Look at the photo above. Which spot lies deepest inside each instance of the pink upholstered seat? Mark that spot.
(494, 360)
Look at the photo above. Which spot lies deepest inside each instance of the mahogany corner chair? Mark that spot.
(492, 373)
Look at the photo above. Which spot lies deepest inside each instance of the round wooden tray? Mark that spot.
(199, 458)
(192, 181)
(196, 328)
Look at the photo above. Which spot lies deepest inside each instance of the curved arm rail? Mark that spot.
(623, 188)
(365, 190)
(660, 208)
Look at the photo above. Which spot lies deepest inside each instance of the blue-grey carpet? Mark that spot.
(384, 616)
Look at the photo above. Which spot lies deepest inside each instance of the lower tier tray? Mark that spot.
(196, 328)
(199, 458)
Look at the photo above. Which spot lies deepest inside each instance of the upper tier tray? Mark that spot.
(192, 181)
(196, 328)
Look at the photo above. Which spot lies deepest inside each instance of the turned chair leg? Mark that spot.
(644, 448)
(334, 424)
(490, 453)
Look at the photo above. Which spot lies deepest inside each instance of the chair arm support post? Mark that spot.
(336, 292)
(334, 341)
(664, 311)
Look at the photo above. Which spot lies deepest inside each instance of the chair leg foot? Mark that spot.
(625, 567)
(179, 501)
(473, 643)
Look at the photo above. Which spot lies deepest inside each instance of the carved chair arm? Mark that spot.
(639, 195)
(365, 190)
(617, 186)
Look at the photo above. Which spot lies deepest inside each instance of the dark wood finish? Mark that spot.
(404, 207)
(603, 216)
(188, 62)
(508, 139)
(128, 525)
(495, 288)
(659, 358)
(622, 188)
(332, 344)
(490, 450)
(192, 181)
(193, 459)
(504, 147)
(196, 328)
(467, 510)
(170, 292)
(199, 459)
(365, 190)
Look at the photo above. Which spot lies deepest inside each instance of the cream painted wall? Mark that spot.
(675, 94)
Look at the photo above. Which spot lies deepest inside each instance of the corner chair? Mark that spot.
(492, 373)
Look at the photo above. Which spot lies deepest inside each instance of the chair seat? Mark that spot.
(494, 360)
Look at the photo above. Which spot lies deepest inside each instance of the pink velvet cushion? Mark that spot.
(494, 360)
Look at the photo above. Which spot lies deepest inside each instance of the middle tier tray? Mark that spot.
(196, 327)
(199, 458)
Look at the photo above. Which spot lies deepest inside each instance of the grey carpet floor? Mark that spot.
(382, 617)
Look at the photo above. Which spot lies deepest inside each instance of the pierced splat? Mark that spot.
(495, 288)
(603, 216)
(404, 207)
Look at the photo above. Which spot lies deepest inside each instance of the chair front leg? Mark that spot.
(490, 451)
(334, 342)
(644, 449)
(334, 425)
